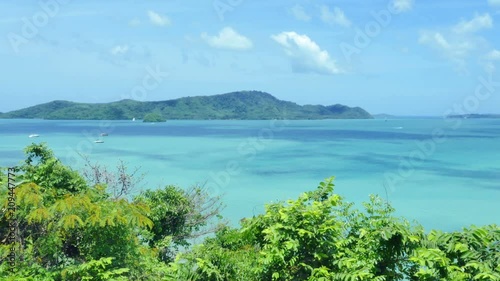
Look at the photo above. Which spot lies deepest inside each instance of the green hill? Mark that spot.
(245, 105)
(153, 118)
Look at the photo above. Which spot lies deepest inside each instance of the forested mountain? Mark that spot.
(243, 105)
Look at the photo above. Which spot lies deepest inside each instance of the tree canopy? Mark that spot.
(70, 230)
(153, 117)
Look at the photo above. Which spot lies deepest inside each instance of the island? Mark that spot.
(383, 116)
(153, 118)
(475, 116)
(242, 105)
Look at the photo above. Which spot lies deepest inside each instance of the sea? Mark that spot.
(442, 173)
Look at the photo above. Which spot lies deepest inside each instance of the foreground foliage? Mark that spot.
(70, 230)
(321, 237)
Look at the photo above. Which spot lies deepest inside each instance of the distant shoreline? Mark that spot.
(475, 116)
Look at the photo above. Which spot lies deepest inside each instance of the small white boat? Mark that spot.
(34, 136)
(133, 119)
(98, 141)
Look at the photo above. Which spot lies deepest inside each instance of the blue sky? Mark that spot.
(406, 57)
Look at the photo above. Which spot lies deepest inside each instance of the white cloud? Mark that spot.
(493, 55)
(436, 39)
(336, 17)
(459, 42)
(299, 13)
(228, 38)
(402, 5)
(455, 50)
(477, 23)
(119, 50)
(305, 54)
(494, 2)
(134, 22)
(491, 58)
(158, 19)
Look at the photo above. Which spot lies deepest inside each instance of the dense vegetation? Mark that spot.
(246, 105)
(83, 227)
(153, 117)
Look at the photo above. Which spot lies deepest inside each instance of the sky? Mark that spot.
(403, 57)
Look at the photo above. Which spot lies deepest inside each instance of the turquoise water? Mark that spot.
(443, 173)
